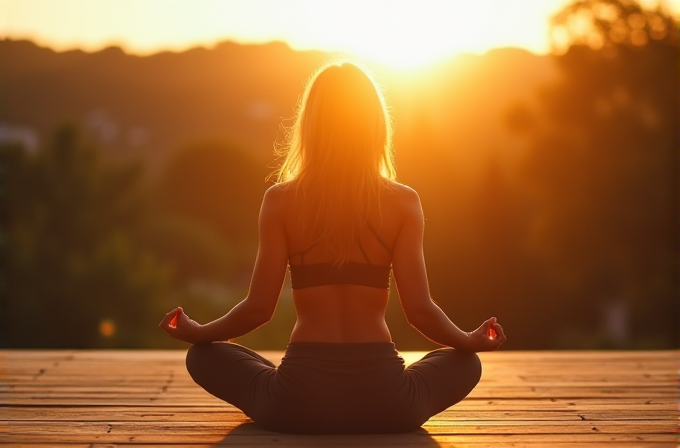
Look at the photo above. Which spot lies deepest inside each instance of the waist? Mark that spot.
(340, 314)
(350, 273)
(325, 332)
(341, 352)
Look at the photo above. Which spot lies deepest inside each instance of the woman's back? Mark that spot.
(343, 312)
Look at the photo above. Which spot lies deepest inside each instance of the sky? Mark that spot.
(399, 32)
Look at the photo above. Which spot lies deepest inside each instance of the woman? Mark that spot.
(339, 221)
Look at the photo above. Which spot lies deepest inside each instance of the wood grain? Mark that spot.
(115, 397)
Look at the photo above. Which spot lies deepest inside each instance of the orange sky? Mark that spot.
(399, 32)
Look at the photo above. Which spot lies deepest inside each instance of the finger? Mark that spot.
(173, 321)
(184, 321)
(488, 324)
(499, 331)
(168, 317)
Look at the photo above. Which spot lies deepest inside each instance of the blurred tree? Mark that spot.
(196, 251)
(603, 167)
(507, 280)
(75, 279)
(11, 155)
(204, 221)
(218, 185)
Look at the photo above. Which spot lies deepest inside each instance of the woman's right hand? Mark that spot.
(488, 337)
(179, 326)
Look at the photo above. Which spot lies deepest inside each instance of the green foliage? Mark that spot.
(602, 166)
(196, 250)
(218, 185)
(70, 258)
(611, 26)
(204, 221)
(95, 258)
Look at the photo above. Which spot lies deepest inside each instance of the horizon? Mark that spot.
(437, 31)
(371, 62)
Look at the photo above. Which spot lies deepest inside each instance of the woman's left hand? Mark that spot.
(179, 326)
(488, 337)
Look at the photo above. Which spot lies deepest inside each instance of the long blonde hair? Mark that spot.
(339, 153)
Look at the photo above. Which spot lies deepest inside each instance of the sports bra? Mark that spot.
(349, 273)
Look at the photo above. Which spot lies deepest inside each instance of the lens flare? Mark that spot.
(107, 328)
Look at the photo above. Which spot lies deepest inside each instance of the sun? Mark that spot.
(407, 33)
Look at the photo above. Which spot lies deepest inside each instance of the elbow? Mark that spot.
(417, 323)
(266, 318)
(260, 315)
(420, 313)
(419, 317)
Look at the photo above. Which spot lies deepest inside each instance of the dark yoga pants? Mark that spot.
(332, 388)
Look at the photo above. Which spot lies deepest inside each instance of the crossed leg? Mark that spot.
(444, 377)
(228, 371)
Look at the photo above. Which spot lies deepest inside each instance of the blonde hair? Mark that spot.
(339, 153)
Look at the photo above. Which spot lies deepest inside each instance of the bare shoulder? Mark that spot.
(405, 198)
(273, 200)
(279, 191)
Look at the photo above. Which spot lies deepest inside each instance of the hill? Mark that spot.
(147, 106)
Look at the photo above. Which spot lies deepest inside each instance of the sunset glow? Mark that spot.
(107, 328)
(410, 34)
(403, 33)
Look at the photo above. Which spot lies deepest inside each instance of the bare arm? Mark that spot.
(411, 278)
(265, 286)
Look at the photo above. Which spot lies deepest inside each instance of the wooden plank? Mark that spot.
(149, 413)
(16, 383)
(172, 387)
(602, 358)
(433, 442)
(119, 432)
(436, 426)
(525, 398)
(468, 405)
(103, 397)
(7, 412)
(51, 379)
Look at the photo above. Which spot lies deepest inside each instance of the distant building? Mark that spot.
(28, 137)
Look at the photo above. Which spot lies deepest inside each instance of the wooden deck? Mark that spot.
(546, 399)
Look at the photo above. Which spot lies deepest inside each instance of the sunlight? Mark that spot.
(403, 33)
(409, 34)
(399, 33)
